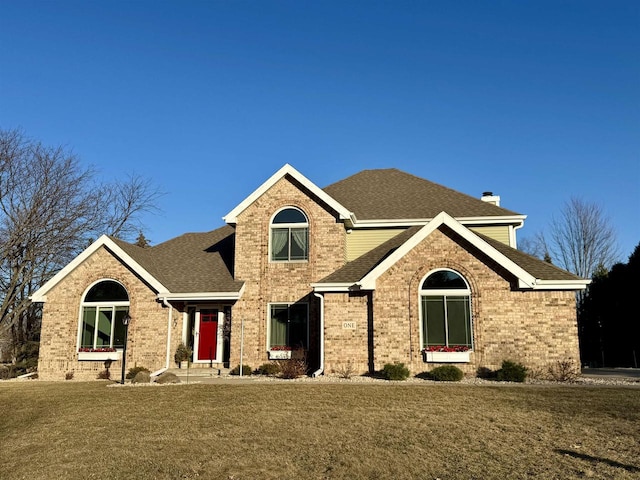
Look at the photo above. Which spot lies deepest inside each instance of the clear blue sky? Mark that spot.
(535, 101)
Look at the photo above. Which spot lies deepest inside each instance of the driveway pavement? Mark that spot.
(617, 373)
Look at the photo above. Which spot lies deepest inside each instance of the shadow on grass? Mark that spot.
(589, 458)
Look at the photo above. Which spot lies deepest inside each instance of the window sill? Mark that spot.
(279, 354)
(99, 356)
(447, 357)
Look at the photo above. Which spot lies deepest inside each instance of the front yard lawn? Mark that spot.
(73, 430)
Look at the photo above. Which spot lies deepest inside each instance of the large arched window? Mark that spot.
(103, 308)
(289, 236)
(446, 311)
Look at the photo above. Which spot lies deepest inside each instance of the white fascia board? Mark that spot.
(287, 169)
(39, 296)
(200, 296)
(332, 287)
(526, 280)
(412, 222)
(561, 284)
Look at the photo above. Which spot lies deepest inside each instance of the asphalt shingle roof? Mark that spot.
(536, 267)
(190, 263)
(394, 194)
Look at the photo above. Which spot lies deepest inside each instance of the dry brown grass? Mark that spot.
(72, 430)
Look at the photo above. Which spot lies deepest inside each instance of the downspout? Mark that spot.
(513, 240)
(169, 320)
(321, 369)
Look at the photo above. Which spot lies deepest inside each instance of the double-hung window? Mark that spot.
(288, 325)
(103, 308)
(446, 311)
(289, 236)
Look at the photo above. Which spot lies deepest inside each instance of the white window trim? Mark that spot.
(99, 355)
(446, 292)
(289, 226)
(268, 317)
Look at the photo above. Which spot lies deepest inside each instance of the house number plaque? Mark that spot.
(348, 325)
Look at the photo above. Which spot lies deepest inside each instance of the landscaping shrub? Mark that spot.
(5, 372)
(246, 370)
(345, 370)
(133, 371)
(104, 374)
(293, 367)
(484, 372)
(68, 376)
(395, 371)
(446, 373)
(511, 372)
(167, 377)
(183, 353)
(271, 369)
(143, 376)
(564, 371)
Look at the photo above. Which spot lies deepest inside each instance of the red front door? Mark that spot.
(208, 341)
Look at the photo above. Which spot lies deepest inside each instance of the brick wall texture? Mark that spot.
(147, 340)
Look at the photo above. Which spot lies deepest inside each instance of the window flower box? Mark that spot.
(279, 354)
(98, 354)
(442, 354)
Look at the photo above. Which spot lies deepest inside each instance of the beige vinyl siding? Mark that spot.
(499, 232)
(360, 242)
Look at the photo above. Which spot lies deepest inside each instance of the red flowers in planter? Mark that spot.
(444, 348)
(100, 350)
(281, 348)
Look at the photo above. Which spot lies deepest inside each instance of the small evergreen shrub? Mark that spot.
(68, 375)
(395, 371)
(104, 374)
(511, 372)
(446, 373)
(133, 371)
(270, 369)
(183, 353)
(246, 370)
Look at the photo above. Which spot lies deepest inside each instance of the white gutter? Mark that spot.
(472, 221)
(321, 369)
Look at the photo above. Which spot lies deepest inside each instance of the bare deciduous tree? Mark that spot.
(50, 208)
(581, 238)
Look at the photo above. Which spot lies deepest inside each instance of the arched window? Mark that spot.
(446, 311)
(103, 307)
(289, 236)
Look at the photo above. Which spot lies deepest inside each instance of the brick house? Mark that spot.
(380, 267)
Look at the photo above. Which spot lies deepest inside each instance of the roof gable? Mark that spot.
(111, 245)
(287, 169)
(530, 272)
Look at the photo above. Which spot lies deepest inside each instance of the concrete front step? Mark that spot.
(200, 372)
